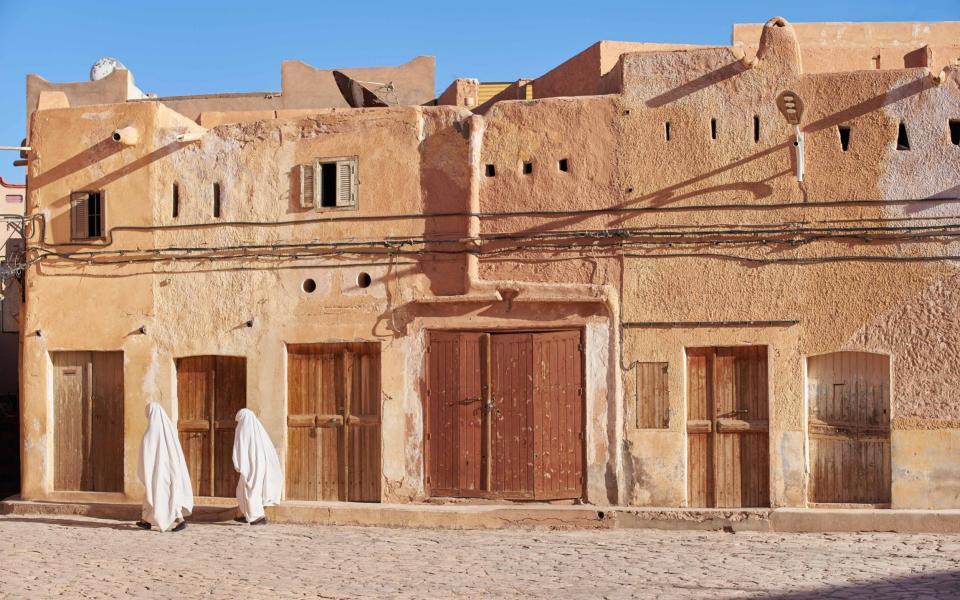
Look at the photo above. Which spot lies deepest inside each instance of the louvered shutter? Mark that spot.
(79, 215)
(346, 183)
(308, 185)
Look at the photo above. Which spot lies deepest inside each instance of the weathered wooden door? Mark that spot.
(333, 422)
(505, 415)
(727, 427)
(849, 428)
(88, 421)
(210, 391)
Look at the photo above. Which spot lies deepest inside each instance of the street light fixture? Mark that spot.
(791, 107)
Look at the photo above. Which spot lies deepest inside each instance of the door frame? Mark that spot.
(485, 470)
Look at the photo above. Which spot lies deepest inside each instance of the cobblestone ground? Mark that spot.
(77, 557)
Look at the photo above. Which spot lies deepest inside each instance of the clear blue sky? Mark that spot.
(175, 47)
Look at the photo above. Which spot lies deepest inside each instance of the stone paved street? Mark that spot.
(77, 557)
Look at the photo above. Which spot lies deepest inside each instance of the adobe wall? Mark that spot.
(833, 47)
(722, 231)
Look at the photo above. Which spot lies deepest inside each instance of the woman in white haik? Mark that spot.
(255, 458)
(163, 471)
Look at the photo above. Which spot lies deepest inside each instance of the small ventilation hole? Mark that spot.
(713, 129)
(364, 280)
(176, 201)
(309, 286)
(564, 165)
(955, 131)
(491, 171)
(903, 142)
(666, 130)
(527, 168)
(844, 131)
(756, 128)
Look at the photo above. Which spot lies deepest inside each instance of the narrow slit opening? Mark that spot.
(955, 131)
(527, 168)
(713, 129)
(666, 130)
(216, 201)
(176, 201)
(903, 142)
(564, 165)
(844, 131)
(491, 171)
(756, 128)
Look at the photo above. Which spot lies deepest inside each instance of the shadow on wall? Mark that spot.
(945, 584)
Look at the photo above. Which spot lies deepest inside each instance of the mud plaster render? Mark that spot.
(431, 160)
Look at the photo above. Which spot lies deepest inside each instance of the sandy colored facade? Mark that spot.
(659, 220)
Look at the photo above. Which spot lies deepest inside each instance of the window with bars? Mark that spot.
(87, 210)
(328, 183)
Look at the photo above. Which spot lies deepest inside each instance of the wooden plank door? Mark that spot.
(557, 415)
(455, 431)
(210, 391)
(512, 416)
(849, 428)
(333, 422)
(727, 427)
(88, 421)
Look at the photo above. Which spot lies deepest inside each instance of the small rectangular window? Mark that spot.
(176, 201)
(216, 201)
(564, 165)
(491, 171)
(756, 128)
(666, 131)
(844, 131)
(338, 182)
(955, 132)
(87, 215)
(527, 168)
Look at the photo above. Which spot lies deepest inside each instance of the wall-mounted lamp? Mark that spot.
(791, 107)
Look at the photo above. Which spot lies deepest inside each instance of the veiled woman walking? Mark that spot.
(163, 471)
(255, 458)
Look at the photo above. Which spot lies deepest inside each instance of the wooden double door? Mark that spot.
(333, 422)
(88, 421)
(849, 428)
(727, 427)
(504, 415)
(210, 391)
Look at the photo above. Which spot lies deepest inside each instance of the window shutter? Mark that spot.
(347, 183)
(308, 185)
(79, 215)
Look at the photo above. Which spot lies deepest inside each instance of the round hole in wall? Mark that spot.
(600, 515)
(364, 280)
(309, 286)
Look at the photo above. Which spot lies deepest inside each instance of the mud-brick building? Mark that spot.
(607, 284)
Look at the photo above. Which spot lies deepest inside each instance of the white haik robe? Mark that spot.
(163, 471)
(255, 458)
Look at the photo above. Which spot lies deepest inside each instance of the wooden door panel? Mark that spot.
(229, 397)
(106, 422)
(512, 468)
(333, 422)
(727, 427)
(70, 383)
(849, 428)
(558, 407)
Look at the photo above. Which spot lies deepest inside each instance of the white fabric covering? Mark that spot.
(255, 458)
(163, 471)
